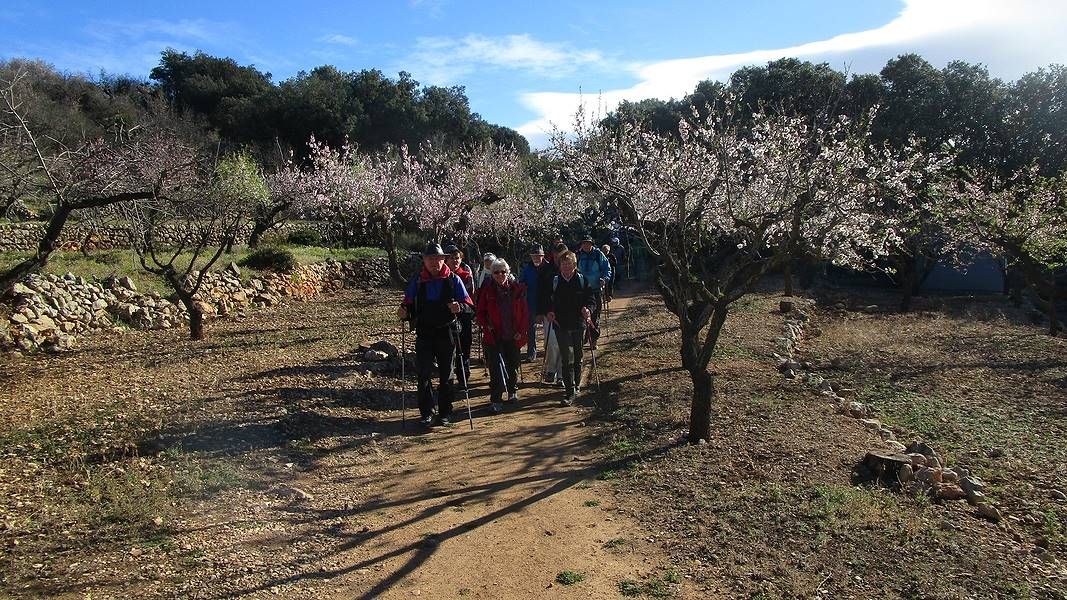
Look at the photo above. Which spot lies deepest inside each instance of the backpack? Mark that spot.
(555, 281)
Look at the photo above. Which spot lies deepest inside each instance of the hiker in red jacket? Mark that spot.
(504, 316)
(466, 320)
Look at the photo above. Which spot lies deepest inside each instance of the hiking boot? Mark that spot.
(567, 400)
(513, 398)
(426, 421)
(444, 421)
(550, 378)
(496, 408)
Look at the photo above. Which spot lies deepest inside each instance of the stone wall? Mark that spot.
(49, 312)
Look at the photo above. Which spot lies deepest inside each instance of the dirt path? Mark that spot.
(497, 512)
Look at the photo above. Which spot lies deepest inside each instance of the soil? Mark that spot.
(261, 463)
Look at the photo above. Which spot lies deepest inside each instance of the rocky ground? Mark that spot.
(270, 460)
(770, 508)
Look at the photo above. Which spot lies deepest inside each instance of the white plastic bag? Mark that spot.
(553, 359)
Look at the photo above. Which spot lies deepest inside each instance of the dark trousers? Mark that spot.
(437, 346)
(502, 360)
(595, 333)
(531, 337)
(466, 338)
(570, 350)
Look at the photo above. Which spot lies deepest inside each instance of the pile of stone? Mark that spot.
(382, 357)
(915, 468)
(48, 312)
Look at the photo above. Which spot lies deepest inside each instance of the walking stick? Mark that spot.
(403, 376)
(592, 355)
(466, 391)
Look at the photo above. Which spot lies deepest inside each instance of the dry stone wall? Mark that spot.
(49, 312)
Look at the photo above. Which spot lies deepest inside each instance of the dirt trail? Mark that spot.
(496, 512)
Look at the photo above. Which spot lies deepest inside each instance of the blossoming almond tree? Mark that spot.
(181, 236)
(95, 174)
(720, 207)
(1022, 217)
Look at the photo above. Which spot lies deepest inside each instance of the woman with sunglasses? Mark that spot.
(503, 315)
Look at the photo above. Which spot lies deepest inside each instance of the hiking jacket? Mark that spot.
(595, 266)
(537, 280)
(427, 297)
(491, 317)
(566, 299)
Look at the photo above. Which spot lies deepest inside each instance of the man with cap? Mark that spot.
(433, 299)
(466, 320)
(537, 275)
(620, 257)
(595, 266)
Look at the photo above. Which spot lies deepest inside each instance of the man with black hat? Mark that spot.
(433, 298)
(537, 275)
(595, 266)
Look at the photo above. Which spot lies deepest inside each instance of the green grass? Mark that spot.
(100, 264)
(656, 587)
(591, 503)
(569, 577)
(614, 543)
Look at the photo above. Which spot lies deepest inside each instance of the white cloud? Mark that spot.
(1011, 38)
(339, 39)
(442, 60)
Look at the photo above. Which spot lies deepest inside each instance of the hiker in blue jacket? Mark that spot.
(595, 266)
(537, 275)
(434, 298)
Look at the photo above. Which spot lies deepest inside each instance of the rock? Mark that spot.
(1058, 495)
(995, 453)
(928, 476)
(233, 268)
(45, 323)
(294, 493)
(971, 483)
(127, 283)
(948, 491)
(949, 476)
(857, 409)
(375, 356)
(100, 304)
(873, 424)
(917, 460)
(21, 290)
(895, 446)
(386, 347)
(988, 511)
(923, 448)
(906, 474)
(19, 319)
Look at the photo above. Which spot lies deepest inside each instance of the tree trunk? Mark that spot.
(258, 229)
(45, 247)
(1053, 320)
(907, 288)
(390, 250)
(196, 316)
(700, 410)
(787, 272)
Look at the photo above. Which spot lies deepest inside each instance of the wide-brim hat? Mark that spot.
(433, 249)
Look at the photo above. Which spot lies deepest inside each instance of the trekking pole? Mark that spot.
(466, 391)
(592, 355)
(403, 376)
(544, 355)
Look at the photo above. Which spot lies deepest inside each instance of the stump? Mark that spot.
(882, 467)
(786, 306)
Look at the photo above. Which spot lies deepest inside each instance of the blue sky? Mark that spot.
(529, 65)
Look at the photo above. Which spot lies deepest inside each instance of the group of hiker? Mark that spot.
(562, 290)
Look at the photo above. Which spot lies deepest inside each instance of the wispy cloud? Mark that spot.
(1029, 32)
(442, 60)
(339, 39)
